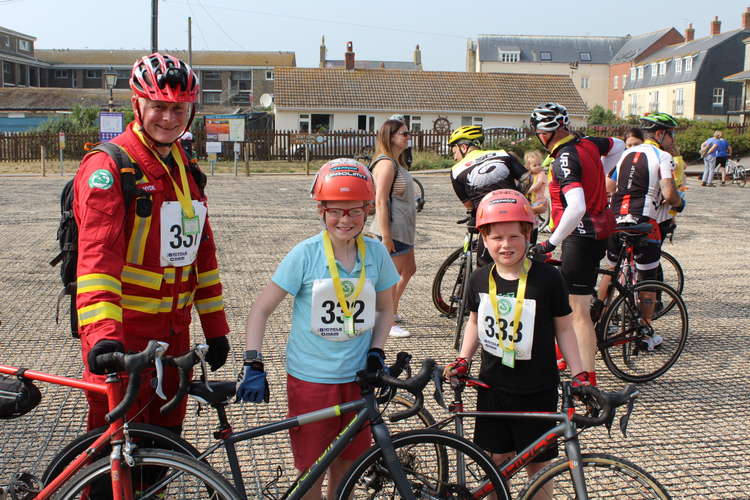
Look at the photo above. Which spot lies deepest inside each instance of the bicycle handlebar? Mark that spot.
(413, 385)
(402, 363)
(133, 365)
(606, 402)
(184, 365)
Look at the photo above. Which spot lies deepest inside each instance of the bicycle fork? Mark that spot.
(383, 440)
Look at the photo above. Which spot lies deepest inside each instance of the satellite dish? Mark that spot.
(266, 100)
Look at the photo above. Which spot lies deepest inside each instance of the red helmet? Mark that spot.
(504, 205)
(164, 78)
(343, 179)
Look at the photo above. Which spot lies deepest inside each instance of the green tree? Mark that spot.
(600, 116)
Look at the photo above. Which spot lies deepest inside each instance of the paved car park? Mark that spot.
(689, 428)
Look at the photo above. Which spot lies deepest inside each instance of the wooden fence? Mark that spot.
(262, 145)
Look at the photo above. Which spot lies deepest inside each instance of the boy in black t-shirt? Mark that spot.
(518, 362)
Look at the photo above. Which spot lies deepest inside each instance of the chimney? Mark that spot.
(715, 26)
(349, 57)
(690, 33)
(746, 19)
(418, 57)
(471, 56)
(323, 52)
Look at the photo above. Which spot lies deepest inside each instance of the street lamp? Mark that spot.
(110, 80)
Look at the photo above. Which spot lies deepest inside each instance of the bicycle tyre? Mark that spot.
(606, 477)
(621, 344)
(369, 478)
(741, 177)
(145, 435)
(461, 311)
(192, 479)
(444, 299)
(423, 418)
(670, 272)
(419, 198)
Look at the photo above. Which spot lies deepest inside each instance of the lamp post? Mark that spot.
(110, 80)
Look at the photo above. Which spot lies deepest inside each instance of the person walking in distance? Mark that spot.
(723, 152)
(581, 221)
(395, 221)
(708, 152)
(144, 262)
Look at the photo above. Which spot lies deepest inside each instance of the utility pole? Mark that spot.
(154, 25)
(190, 42)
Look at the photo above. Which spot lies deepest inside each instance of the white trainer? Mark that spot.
(653, 342)
(398, 332)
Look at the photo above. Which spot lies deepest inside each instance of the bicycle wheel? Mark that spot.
(428, 458)
(422, 419)
(154, 474)
(606, 477)
(446, 283)
(462, 311)
(669, 272)
(741, 176)
(144, 435)
(625, 339)
(419, 198)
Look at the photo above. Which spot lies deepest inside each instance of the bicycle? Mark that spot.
(736, 172)
(622, 331)
(406, 463)
(128, 471)
(578, 475)
(449, 284)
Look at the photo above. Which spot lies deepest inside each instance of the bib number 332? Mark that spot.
(327, 316)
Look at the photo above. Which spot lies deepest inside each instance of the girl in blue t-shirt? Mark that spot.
(343, 310)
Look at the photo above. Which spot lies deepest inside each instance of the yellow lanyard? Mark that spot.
(334, 270)
(652, 143)
(183, 195)
(509, 353)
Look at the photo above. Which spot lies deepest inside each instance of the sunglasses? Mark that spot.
(342, 212)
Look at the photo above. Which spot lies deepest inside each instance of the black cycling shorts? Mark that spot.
(721, 161)
(505, 435)
(580, 260)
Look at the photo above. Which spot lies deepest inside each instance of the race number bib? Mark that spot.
(327, 318)
(493, 334)
(180, 236)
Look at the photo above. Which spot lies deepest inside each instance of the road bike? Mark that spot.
(410, 464)
(126, 471)
(449, 285)
(624, 334)
(736, 173)
(578, 475)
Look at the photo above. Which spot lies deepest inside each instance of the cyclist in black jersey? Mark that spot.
(478, 172)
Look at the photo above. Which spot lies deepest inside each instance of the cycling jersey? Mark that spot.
(638, 195)
(577, 164)
(481, 172)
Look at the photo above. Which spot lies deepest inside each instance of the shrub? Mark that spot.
(428, 160)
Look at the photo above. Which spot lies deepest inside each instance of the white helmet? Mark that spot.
(398, 117)
(549, 116)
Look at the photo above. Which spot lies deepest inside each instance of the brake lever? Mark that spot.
(437, 379)
(160, 350)
(200, 351)
(626, 418)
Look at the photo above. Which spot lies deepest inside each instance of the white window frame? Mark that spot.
(717, 97)
(24, 45)
(93, 74)
(6, 41)
(416, 123)
(654, 70)
(679, 101)
(509, 56)
(61, 73)
(688, 64)
(653, 101)
(640, 72)
(269, 74)
(211, 93)
(584, 56)
(662, 68)
(304, 122)
(585, 82)
(634, 104)
(236, 76)
(615, 82)
(471, 120)
(624, 80)
(614, 107)
(633, 73)
(678, 65)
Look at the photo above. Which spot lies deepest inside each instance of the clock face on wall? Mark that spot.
(442, 125)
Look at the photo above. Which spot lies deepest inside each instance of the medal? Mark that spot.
(348, 318)
(349, 326)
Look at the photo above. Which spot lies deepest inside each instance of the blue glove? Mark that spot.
(252, 385)
(544, 247)
(376, 360)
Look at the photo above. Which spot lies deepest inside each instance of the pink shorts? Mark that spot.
(309, 441)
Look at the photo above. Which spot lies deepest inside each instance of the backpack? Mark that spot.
(395, 166)
(18, 395)
(67, 230)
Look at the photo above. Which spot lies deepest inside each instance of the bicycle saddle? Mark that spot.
(633, 233)
(220, 391)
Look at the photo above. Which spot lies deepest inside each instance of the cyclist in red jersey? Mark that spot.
(578, 196)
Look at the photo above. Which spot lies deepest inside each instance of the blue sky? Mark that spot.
(383, 30)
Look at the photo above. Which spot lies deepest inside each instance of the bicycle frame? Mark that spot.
(366, 411)
(116, 433)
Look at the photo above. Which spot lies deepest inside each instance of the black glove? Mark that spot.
(544, 247)
(102, 347)
(218, 349)
(375, 360)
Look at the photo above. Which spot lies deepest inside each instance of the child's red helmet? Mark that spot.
(343, 179)
(164, 78)
(504, 205)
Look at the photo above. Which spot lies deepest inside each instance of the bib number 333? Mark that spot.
(493, 334)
